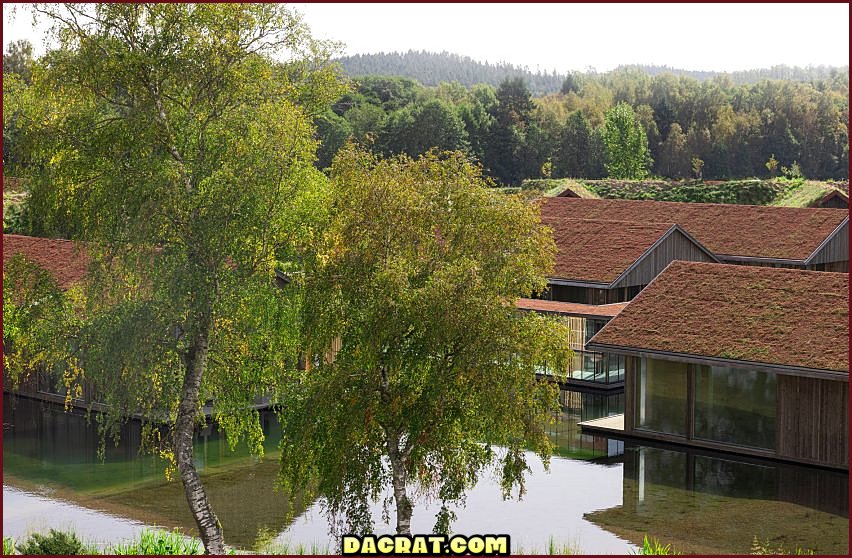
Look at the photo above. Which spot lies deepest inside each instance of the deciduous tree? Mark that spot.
(169, 138)
(416, 274)
(626, 144)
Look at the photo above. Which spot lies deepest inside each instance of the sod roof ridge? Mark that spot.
(754, 231)
(785, 317)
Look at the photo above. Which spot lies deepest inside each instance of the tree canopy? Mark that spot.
(176, 139)
(626, 144)
(414, 281)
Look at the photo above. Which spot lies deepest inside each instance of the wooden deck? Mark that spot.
(608, 425)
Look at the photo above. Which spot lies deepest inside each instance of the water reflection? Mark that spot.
(599, 495)
(707, 502)
(50, 452)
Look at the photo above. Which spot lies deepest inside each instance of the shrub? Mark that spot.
(55, 542)
(159, 543)
(8, 545)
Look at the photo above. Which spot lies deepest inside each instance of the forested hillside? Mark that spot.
(624, 124)
(431, 68)
(681, 127)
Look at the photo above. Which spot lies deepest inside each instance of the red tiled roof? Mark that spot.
(62, 258)
(725, 229)
(570, 308)
(598, 251)
(786, 317)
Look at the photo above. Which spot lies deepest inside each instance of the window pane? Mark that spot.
(661, 396)
(735, 406)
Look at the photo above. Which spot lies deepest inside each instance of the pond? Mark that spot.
(600, 495)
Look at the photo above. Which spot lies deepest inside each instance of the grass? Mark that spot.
(554, 548)
(761, 547)
(805, 194)
(159, 543)
(8, 545)
(653, 547)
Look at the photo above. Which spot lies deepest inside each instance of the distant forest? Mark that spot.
(432, 68)
(728, 126)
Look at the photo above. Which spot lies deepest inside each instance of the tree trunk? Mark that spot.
(403, 504)
(209, 528)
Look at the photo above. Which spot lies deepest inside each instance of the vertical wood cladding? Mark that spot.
(812, 419)
(836, 249)
(631, 367)
(675, 246)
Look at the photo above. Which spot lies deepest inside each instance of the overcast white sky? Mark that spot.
(723, 37)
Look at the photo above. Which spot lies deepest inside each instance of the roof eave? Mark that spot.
(836, 375)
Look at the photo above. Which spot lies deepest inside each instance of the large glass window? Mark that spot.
(735, 406)
(661, 395)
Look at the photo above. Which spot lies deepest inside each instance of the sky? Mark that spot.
(571, 37)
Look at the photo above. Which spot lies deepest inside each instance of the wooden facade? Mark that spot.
(836, 199)
(832, 254)
(676, 244)
(811, 420)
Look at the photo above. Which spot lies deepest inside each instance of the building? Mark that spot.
(834, 199)
(589, 370)
(600, 265)
(752, 360)
(804, 238)
(604, 262)
(66, 261)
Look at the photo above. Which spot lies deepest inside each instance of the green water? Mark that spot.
(600, 495)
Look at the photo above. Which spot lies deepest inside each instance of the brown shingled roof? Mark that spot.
(598, 251)
(570, 308)
(725, 229)
(62, 258)
(785, 317)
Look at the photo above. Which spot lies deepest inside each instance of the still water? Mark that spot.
(600, 495)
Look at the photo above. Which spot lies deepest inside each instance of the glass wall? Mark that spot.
(735, 406)
(661, 396)
(604, 368)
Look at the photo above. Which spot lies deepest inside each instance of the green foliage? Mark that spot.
(653, 547)
(750, 192)
(8, 545)
(18, 59)
(626, 143)
(158, 543)
(772, 165)
(416, 271)
(15, 216)
(38, 322)
(266, 544)
(804, 193)
(177, 139)
(55, 542)
(419, 127)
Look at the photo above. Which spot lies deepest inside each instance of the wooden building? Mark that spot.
(67, 262)
(605, 262)
(837, 199)
(589, 370)
(752, 360)
(803, 238)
